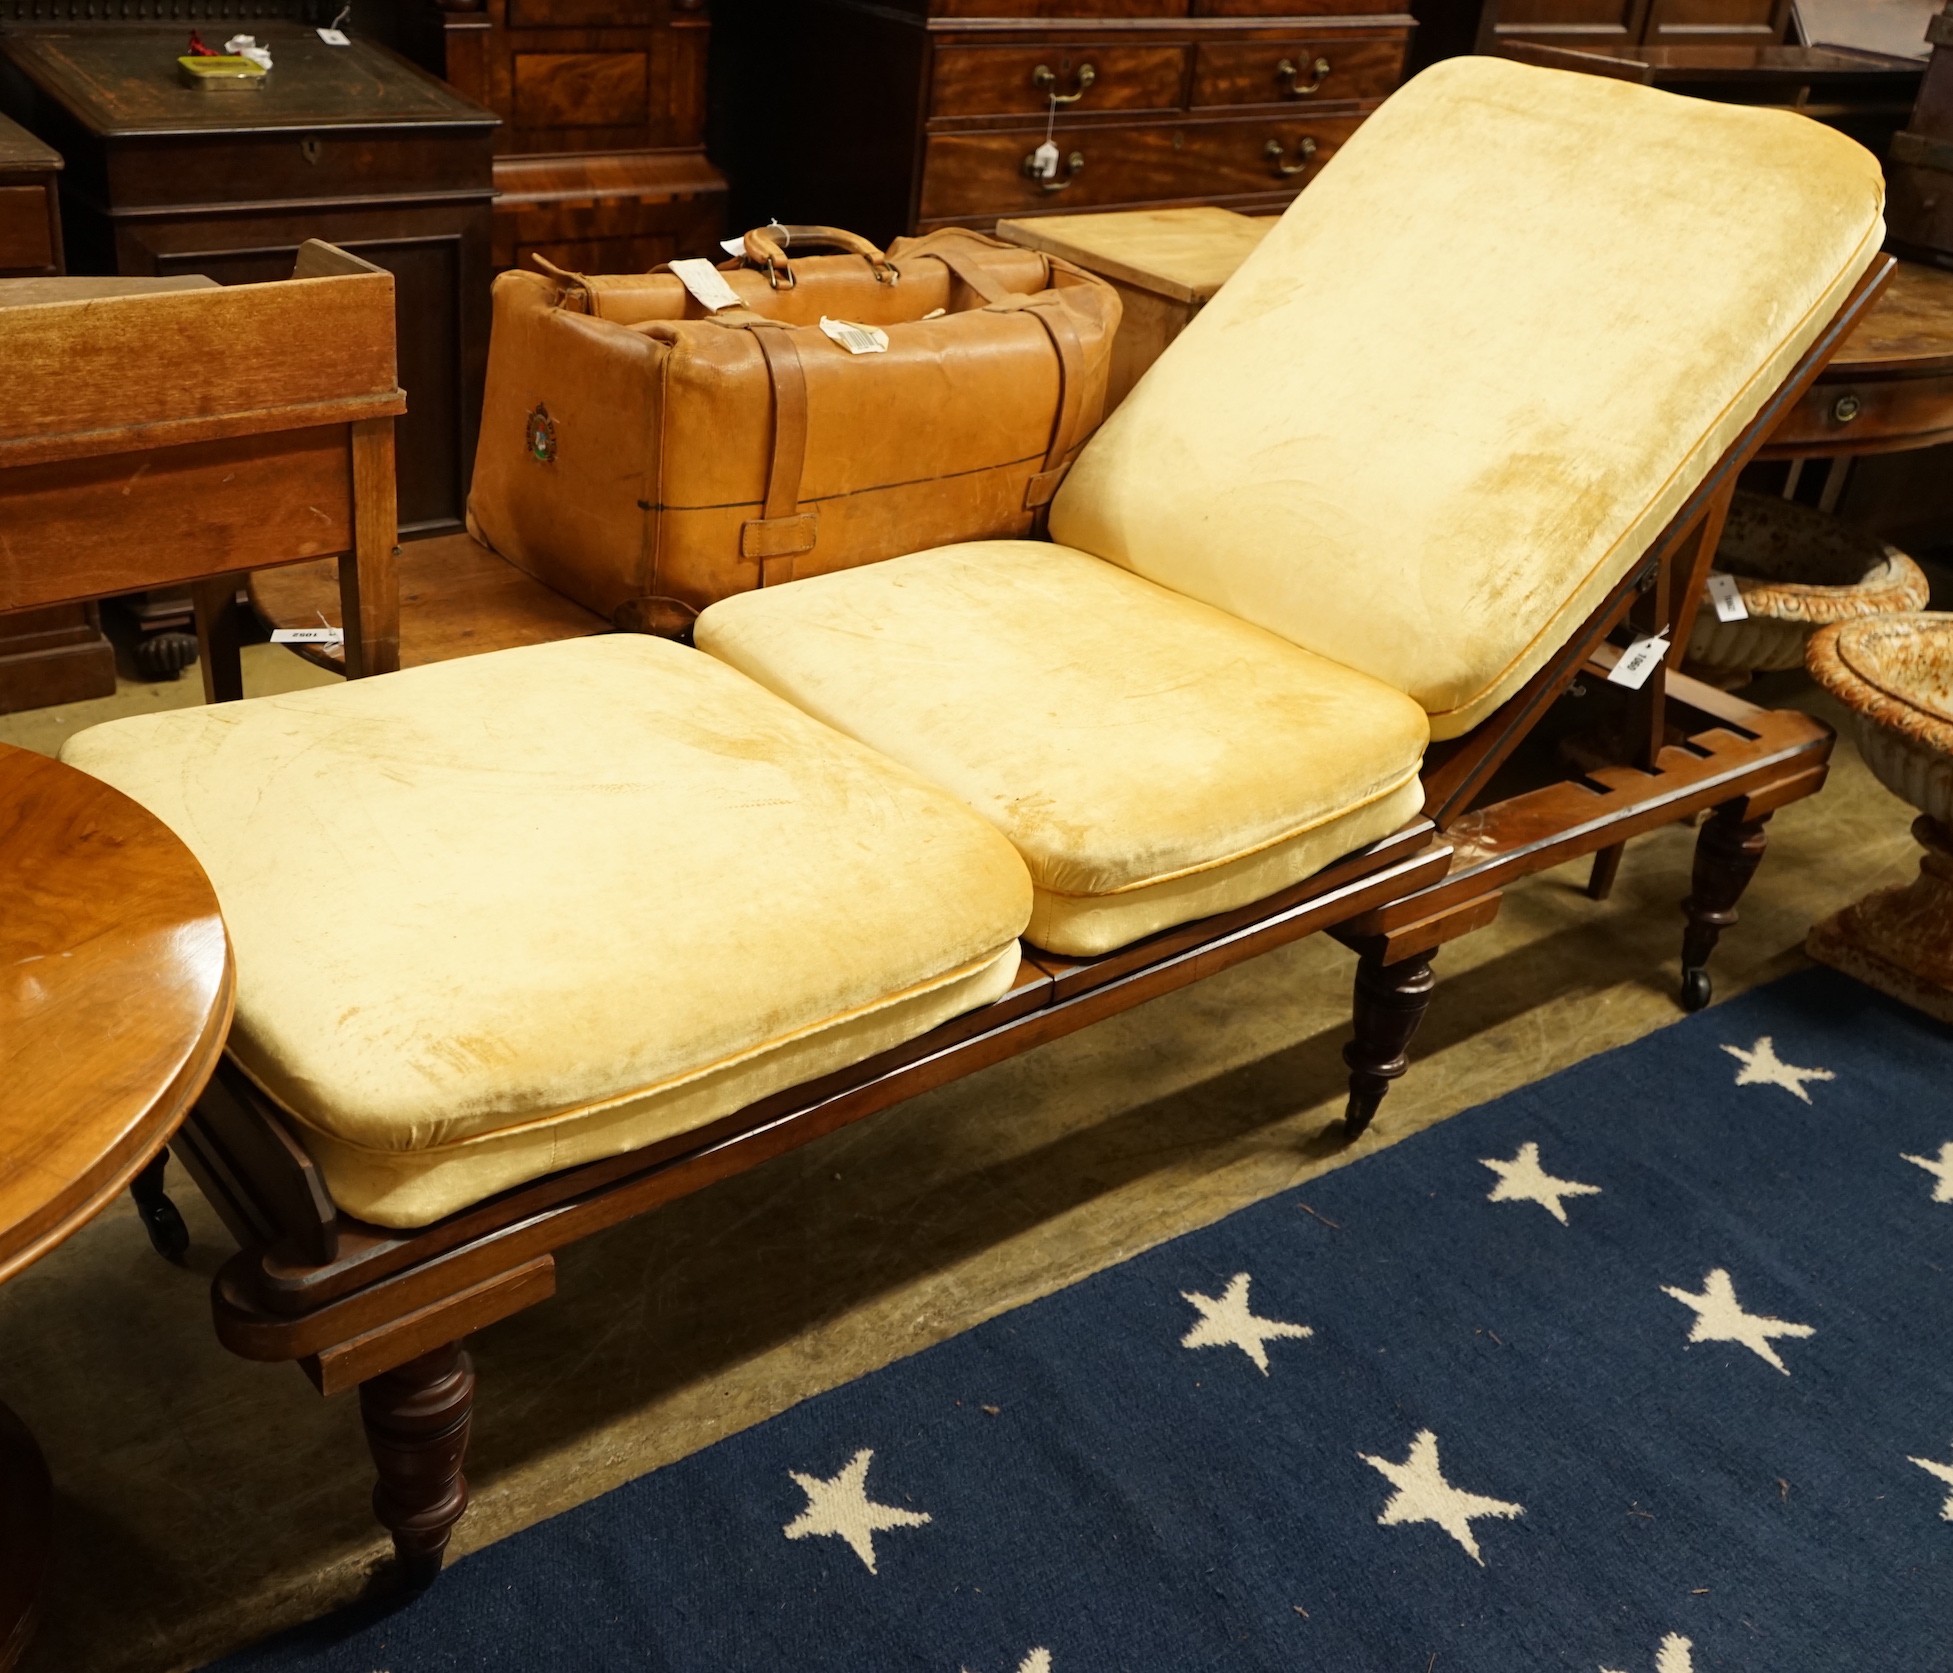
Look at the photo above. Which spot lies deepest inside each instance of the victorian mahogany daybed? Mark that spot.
(531, 943)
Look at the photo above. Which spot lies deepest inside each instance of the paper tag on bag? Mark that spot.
(706, 283)
(1638, 661)
(308, 635)
(335, 37)
(856, 339)
(733, 246)
(1727, 597)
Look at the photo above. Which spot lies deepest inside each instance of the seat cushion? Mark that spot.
(1471, 374)
(497, 916)
(1154, 760)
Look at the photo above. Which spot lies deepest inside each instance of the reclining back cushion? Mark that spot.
(1477, 367)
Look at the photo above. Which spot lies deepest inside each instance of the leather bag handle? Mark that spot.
(763, 251)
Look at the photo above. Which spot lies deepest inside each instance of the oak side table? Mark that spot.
(116, 996)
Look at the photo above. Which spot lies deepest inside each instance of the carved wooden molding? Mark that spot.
(65, 13)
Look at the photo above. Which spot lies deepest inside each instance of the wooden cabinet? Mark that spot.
(900, 117)
(350, 144)
(600, 165)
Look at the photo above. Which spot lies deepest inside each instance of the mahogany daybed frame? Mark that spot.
(387, 1312)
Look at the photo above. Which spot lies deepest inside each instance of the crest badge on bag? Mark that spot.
(539, 436)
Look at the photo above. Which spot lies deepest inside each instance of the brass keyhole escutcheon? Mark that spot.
(1286, 73)
(310, 149)
(1846, 408)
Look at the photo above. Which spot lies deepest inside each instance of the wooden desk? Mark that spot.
(191, 435)
(348, 144)
(116, 997)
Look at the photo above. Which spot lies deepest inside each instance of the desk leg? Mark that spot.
(369, 586)
(25, 1514)
(220, 638)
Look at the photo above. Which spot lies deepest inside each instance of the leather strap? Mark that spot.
(782, 529)
(1052, 314)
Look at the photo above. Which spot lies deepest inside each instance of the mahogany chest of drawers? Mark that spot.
(901, 117)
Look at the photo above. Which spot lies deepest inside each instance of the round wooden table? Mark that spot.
(115, 998)
(1890, 386)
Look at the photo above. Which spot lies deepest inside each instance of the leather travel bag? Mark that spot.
(645, 454)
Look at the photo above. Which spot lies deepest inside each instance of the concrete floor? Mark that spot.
(205, 1501)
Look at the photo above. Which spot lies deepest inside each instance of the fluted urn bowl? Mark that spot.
(1895, 675)
(1797, 570)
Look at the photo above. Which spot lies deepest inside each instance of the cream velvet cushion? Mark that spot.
(498, 916)
(1152, 759)
(1468, 378)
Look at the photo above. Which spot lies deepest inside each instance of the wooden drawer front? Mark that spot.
(582, 89)
(1570, 22)
(1121, 9)
(1709, 22)
(1003, 80)
(1872, 415)
(24, 241)
(583, 14)
(1290, 72)
(975, 175)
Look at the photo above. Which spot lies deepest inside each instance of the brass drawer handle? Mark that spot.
(1043, 80)
(1305, 149)
(1074, 165)
(1286, 72)
(1846, 408)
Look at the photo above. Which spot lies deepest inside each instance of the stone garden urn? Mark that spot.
(1798, 570)
(1895, 675)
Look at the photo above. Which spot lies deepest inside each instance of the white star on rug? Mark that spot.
(1423, 1495)
(1523, 1180)
(1719, 1317)
(1762, 1067)
(1941, 1170)
(1038, 1661)
(1674, 1656)
(1945, 1473)
(842, 1506)
(1228, 1322)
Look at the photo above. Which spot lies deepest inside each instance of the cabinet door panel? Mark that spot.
(1003, 80)
(25, 240)
(1292, 72)
(582, 89)
(980, 175)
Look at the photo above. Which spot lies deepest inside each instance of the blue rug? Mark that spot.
(1647, 1367)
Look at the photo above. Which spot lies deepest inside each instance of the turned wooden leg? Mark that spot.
(417, 1420)
(168, 1235)
(1728, 850)
(1390, 1003)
